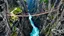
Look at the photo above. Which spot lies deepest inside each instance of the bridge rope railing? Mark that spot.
(38, 14)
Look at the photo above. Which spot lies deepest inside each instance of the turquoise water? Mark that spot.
(35, 30)
(31, 6)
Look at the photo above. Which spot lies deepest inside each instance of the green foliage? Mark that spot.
(14, 33)
(51, 17)
(46, 1)
(24, 0)
(14, 18)
(11, 24)
(18, 10)
(41, 1)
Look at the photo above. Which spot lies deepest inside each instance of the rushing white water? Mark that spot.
(35, 30)
(31, 6)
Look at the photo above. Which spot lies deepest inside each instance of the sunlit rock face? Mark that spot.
(57, 2)
(2, 5)
(1, 2)
(2, 24)
(61, 8)
(2, 19)
(2, 27)
(60, 30)
(0, 9)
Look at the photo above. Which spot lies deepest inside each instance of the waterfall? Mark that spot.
(31, 9)
(35, 30)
